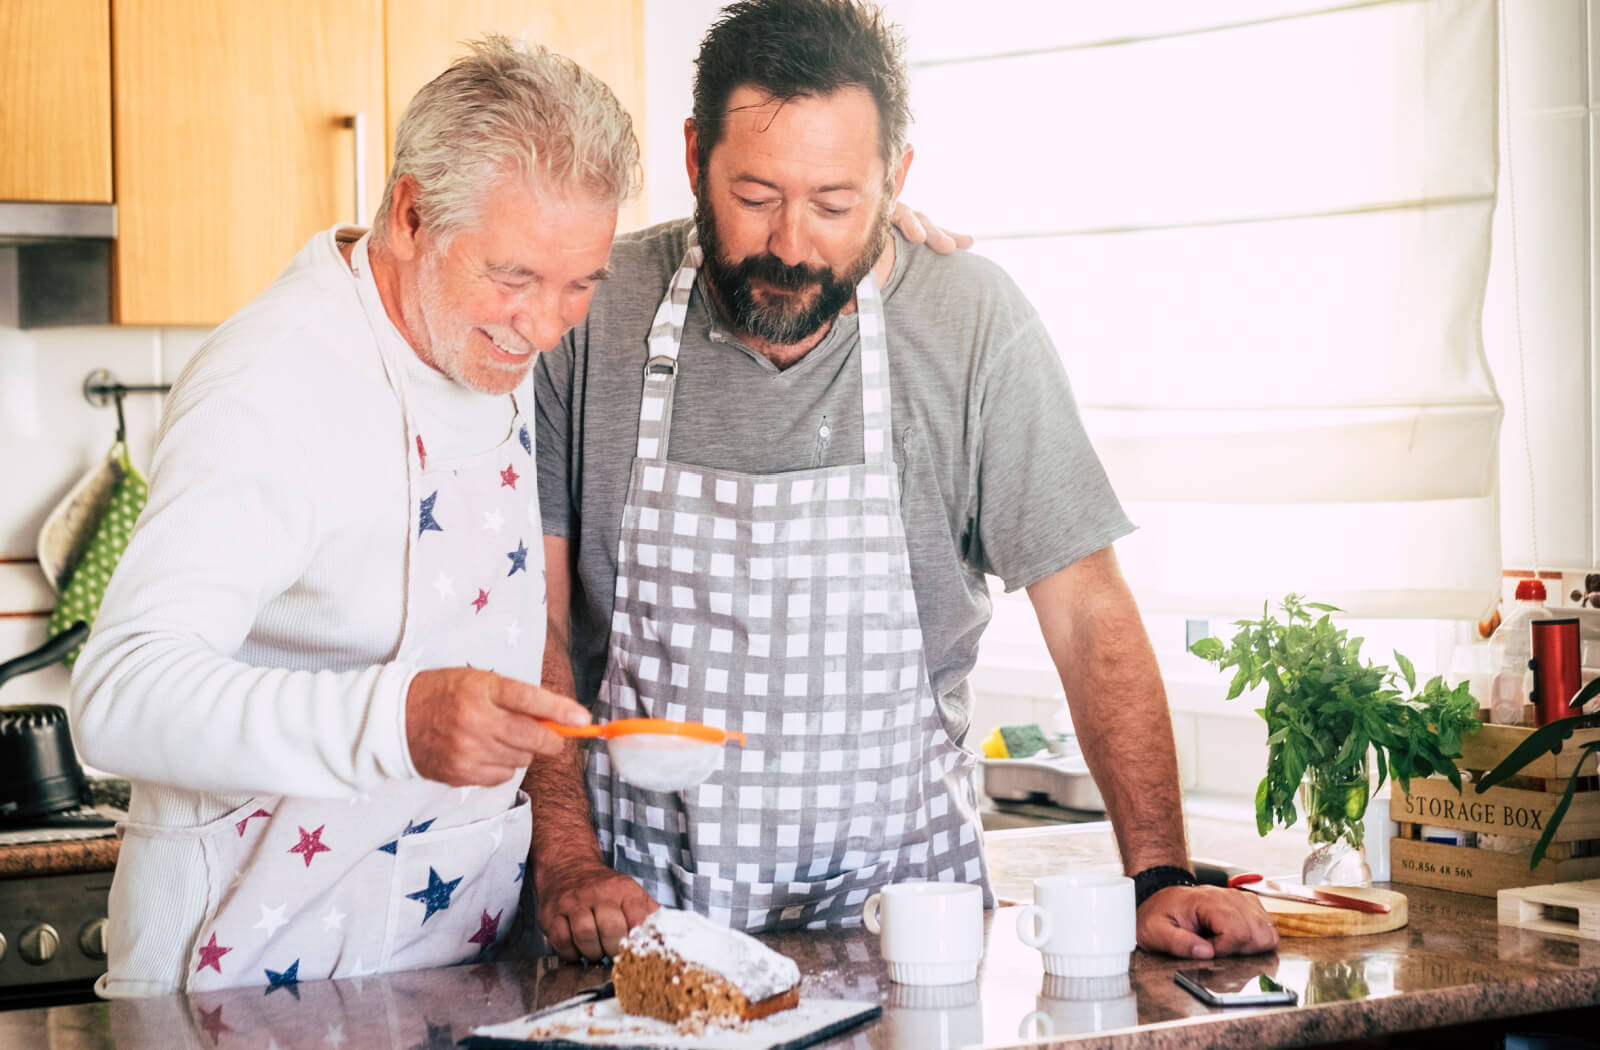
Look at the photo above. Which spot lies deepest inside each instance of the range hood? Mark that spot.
(28, 221)
(55, 263)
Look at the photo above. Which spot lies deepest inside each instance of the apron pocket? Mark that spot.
(169, 885)
(757, 905)
(453, 893)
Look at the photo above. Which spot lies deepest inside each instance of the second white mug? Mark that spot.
(1083, 923)
(931, 932)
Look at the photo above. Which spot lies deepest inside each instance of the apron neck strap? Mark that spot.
(661, 364)
(875, 411)
(666, 340)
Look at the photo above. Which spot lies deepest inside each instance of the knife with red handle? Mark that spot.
(1255, 883)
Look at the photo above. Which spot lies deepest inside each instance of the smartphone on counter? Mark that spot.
(1214, 989)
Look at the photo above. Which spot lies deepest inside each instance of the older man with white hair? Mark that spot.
(313, 661)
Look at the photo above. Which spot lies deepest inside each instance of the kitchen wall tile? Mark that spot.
(24, 590)
(49, 434)
(178, 345)
(1545, 49)
(1551, 205)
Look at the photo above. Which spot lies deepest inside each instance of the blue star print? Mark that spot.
(289, 979)
(426, 522)
(522, 869)
(519, 559)
(392, 848)
(437, 895)
(527, 442)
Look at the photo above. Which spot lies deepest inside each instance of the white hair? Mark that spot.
(505, 108)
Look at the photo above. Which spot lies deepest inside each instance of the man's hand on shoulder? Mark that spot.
(919, 229)
(585, 908)
(1204, 922)
(466, 726)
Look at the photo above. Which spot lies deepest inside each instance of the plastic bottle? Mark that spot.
(1510, 650)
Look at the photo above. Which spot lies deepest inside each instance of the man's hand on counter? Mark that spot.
(585, 908)
(1203, 922)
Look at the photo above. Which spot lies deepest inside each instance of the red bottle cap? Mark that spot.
(1530, 590)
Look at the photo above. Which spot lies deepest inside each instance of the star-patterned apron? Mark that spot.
(418, 874)
(779, 605)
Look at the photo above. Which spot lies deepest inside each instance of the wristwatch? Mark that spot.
(1151, 881)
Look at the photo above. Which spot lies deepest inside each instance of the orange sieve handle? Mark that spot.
(562, 729)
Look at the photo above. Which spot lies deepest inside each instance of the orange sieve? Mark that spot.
(655, 753)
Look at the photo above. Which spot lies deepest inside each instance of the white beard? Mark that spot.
(448, 332)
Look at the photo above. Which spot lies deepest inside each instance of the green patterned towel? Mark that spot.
(87, 580)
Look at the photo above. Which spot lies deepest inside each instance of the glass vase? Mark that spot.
(1335, 802)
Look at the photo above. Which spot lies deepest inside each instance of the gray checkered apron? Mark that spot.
(779, 605)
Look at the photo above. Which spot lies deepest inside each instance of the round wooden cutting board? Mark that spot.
(1294, 919)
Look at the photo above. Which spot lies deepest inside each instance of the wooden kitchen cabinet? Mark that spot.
(55, 101)
(606, 37)
(231, 144)
(231, 139)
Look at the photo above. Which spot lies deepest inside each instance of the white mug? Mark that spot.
(1083, 923)
(932, 932)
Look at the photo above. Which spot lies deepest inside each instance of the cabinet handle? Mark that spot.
(357, 122)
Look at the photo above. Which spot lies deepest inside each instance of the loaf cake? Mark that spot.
(679, 966)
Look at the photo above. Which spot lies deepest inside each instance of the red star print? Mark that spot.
(211, 955)
(508, 477)
(258, 813)
(211, 1022)
(422, 454)
(488, 929)
(480, 601)
(310, 844)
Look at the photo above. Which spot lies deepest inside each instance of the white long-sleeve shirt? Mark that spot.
(245, 644)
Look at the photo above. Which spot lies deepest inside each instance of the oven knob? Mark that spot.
(38, 944)
(92, 938)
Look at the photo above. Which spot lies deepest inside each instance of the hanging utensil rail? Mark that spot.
(101, 387)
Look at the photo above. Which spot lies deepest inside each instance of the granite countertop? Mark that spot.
(63, 851)
(1452, 964)
(59, 858)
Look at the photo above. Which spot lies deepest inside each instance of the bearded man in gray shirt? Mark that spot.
(776, 465)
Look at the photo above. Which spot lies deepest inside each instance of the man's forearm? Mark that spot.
(1119, 709)
(562, 833)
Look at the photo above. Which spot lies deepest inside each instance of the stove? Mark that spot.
(55, 878)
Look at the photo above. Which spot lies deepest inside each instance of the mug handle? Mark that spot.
(1045, 1026)
(1025, 926)
(869, 912)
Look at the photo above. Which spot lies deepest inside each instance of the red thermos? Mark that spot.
(1556, 673)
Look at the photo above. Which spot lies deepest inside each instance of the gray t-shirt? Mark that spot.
(997, 475)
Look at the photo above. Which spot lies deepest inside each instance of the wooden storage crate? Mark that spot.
(1520, 811)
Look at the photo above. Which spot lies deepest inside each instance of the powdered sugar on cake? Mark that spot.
(744, 962)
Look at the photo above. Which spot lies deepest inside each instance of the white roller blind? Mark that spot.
(1258, 231)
